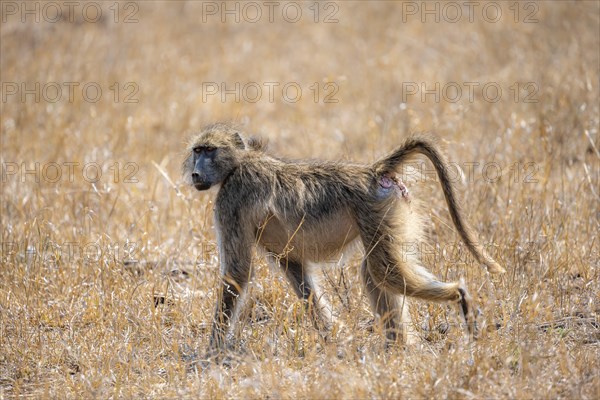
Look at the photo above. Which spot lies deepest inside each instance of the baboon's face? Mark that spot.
(213, 156)
(205, 173)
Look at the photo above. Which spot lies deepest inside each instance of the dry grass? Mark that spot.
(78, 324)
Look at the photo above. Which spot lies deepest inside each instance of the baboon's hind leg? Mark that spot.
(402, 274)
(391, 309)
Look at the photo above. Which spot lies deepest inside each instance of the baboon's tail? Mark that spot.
(426, 145)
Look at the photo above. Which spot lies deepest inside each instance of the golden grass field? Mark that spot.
(109, 268)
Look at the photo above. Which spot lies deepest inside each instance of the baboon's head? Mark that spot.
(213, 155)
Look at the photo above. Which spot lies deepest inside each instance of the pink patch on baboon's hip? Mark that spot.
(395, 183)
(385, 182)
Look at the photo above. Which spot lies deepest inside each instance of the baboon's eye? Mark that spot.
(204, 149)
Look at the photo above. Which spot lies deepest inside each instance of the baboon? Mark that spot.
(288, 207)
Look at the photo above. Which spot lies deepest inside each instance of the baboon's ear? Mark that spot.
(255, 143)
(238, 142)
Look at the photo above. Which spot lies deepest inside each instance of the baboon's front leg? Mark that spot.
(307, 289)
(235, 274)
(227, 300)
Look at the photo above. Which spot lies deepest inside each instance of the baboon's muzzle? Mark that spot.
(199, 182)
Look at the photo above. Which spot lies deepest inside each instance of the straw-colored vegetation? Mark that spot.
(107, 286)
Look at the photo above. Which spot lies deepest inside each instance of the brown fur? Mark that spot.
(301, 211)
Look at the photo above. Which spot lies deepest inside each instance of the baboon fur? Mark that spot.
(297, 211)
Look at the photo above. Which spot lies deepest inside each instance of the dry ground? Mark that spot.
(107, 284)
